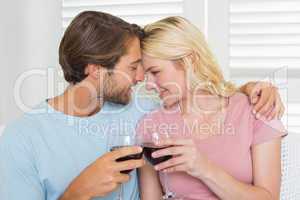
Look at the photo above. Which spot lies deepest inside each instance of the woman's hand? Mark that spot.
(186, 157)
(266, 100)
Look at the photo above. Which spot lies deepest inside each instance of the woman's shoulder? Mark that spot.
(239, 105)
(239, 97)
(240, 100)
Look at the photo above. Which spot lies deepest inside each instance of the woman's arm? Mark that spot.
(266, 170)
(266, 173)
(150, 188)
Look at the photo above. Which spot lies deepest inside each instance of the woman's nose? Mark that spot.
(150, 83)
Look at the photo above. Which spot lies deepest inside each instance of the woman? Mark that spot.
(219, 149)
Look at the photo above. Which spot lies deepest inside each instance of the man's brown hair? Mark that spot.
(94, 38)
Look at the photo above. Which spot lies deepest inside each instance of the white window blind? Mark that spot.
(134, 11)
(264, 34)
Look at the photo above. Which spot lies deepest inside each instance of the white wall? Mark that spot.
(29, 36)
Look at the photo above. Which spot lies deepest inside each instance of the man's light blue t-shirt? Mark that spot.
(43, 151)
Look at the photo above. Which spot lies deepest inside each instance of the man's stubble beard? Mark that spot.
(114, 92)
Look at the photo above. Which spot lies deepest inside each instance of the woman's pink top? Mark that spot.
(230, 148)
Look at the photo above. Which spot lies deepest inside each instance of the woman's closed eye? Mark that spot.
(154, 72)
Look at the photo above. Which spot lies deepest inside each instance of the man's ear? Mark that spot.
(94, 71)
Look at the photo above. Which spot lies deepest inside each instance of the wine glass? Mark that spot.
(149, 146)
(115, 142)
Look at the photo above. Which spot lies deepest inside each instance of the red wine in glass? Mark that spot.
(125, 158)
(149, 148)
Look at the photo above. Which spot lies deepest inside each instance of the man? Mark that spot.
(60, 150)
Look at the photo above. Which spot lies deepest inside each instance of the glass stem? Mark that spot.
(120, 193)
(166, 182)
(168, 194)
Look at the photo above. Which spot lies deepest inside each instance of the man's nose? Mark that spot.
(140, 75)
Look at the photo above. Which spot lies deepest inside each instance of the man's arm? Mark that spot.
(103, 176)
(265, 99)
(245, 88)
(19, 177)
(18, 174)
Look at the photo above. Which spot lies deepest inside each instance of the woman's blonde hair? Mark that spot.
(176, 39)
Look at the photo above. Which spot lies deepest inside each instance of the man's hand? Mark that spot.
(103, 176)
(265, 98)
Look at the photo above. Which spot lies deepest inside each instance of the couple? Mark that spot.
(58, 151)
